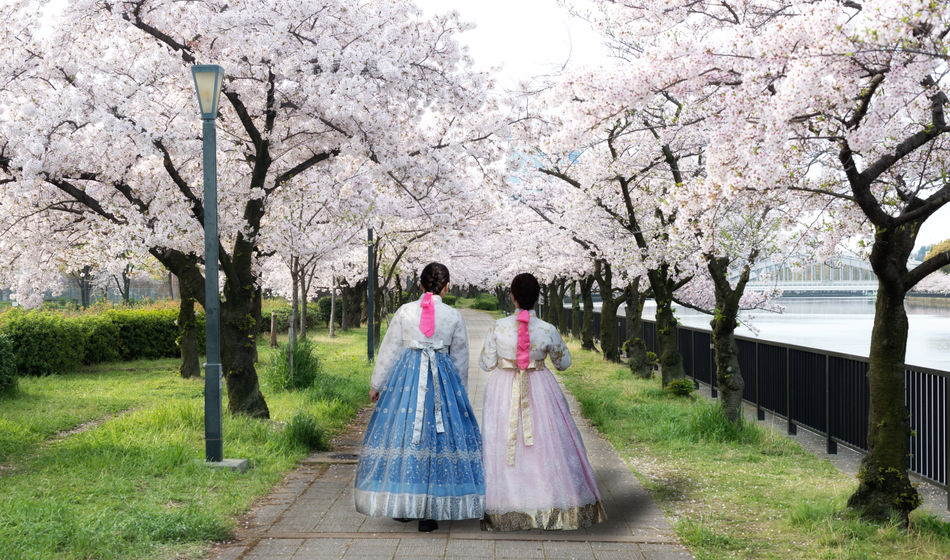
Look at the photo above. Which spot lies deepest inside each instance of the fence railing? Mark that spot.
(826, 392)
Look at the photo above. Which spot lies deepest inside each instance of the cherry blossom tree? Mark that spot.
(98, 112)
(851, 97)
(624, 166)
(635, 134)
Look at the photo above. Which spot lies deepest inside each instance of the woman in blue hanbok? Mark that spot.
(421, 457)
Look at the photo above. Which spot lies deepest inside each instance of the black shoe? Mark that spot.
(402, 519)
(428, 525)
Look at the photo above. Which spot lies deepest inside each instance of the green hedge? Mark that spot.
(46, 342)
(7, 366)
(283, 318)
(147, 334)
(487, 302)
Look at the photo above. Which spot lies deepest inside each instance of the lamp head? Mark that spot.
(208, 79)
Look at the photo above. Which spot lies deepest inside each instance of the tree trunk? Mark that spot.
(548, 292)
(560, 287)
(504, 302)
(413, 290)
(257, 304)
(344, 320)
(126, 288)
(295, 293)
(332, 324)
(240, 322)
(884, 488)
(84, 282)
(191, 285)
(273, 329)
(640, 366)
(379, 304)
(587, 326)
(124, 284)
(575, 311)
(302, 326)
(239, 328)
(671, 361)
(726, 351)
(352, 298)
(609, 343)
(188, 331)
(171, 285)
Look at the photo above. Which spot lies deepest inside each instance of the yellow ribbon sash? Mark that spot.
(520, 405)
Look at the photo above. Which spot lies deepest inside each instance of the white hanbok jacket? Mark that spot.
(404, 327)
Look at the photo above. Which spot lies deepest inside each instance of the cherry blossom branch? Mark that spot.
(937, 127)
(929, 205)
(81, 197)
(197, 209)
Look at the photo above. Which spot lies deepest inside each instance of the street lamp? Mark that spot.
(370, 295)
(208, 84)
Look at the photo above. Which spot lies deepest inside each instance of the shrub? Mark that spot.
(486, 302)
(652, 358)
(7, 366)
(282, 315)
(44, 342)
(148, 333)
(306, 367)
(449, 299)
(102, 340)
(323, 312)
(303, 431)
(49, 342)
(682, 387)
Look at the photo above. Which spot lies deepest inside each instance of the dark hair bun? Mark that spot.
(525, 289)
(434, 277)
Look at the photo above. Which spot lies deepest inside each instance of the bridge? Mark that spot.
(849, 276)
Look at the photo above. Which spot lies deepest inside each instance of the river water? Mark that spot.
(841, 325)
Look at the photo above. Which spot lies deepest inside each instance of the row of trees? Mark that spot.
(722, 135)
(730, 132)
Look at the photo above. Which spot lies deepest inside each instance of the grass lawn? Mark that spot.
(736, 493)
(129, 483)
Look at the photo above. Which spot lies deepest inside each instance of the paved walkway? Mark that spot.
(311, 515)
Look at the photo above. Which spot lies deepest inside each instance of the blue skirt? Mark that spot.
(437, 476)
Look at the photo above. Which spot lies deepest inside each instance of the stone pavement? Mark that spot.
(311, 515)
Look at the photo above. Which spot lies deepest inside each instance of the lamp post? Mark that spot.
(370, 295)
(208, 84)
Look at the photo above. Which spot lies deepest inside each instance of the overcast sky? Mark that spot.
(526, 37)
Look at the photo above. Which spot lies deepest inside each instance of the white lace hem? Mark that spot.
(419, 506)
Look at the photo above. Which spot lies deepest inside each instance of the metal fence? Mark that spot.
(827, 392)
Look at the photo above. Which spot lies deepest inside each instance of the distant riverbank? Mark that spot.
(841, 324)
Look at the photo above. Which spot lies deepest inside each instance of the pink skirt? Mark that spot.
(551, 484)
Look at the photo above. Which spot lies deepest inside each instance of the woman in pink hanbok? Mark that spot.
(537, 475)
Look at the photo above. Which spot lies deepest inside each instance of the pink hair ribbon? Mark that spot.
(427, 322)
(524, 340)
